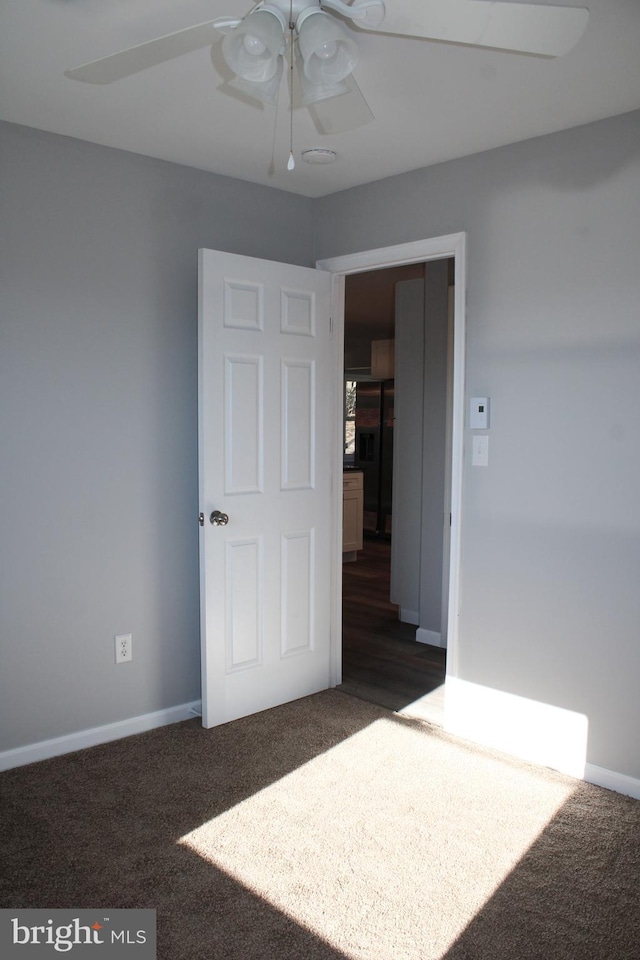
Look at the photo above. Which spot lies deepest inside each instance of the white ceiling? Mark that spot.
(432, 101)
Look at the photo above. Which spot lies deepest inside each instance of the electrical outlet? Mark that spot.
(124, 650)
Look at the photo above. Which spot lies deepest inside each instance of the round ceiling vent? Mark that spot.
(319, 155)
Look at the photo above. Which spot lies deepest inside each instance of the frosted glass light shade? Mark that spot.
(267, 91)
(314, 92)
(253, 49)
(329, 54)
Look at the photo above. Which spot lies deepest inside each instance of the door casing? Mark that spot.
(434, 248)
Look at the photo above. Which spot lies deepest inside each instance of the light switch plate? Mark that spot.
(479, 413)
(480, 451)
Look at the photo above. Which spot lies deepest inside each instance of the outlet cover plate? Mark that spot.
(124, 651)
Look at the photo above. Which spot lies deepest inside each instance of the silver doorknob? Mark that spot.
(219, 519)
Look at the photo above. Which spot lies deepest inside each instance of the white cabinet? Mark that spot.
(352, 514)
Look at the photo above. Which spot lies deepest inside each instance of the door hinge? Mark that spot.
(449, 519)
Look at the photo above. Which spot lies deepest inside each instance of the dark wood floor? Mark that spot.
(381, 660)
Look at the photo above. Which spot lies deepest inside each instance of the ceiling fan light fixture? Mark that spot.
(254, 48)
(313, 92)
(266, 92)
(328, 52)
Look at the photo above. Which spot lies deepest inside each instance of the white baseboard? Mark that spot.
(454, 723)
(619, 782)
(97, 735)
(429, 636)
(409, 616)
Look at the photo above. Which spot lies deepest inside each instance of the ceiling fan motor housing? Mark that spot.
(367, 12)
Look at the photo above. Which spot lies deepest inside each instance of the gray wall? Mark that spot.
(407, 448)
(550, 593)
(98, 415)
(419, 446)
(98, 411)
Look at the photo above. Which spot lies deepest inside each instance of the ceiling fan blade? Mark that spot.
(547, 31)
(339, 114)
(145, 55)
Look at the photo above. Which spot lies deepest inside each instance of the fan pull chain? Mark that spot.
(291, 163)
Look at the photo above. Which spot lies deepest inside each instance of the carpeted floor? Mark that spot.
(324, 829)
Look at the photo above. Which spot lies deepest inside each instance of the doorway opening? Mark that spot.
(419, 251)
(398, 353)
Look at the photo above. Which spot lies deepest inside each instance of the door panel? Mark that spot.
(243, 424)
(243, 600)
(266, 372)
(298, 592)
(298, 424)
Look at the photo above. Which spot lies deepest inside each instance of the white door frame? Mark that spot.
(435, 248)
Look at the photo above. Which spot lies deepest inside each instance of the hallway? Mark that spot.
(381, 660)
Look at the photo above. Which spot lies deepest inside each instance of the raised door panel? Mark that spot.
(298, 421)
(243, 424)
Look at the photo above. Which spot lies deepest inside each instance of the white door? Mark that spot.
(265, 446)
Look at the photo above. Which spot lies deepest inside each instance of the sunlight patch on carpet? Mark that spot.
(388, 844)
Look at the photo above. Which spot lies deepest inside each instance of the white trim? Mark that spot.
(446, 518)
(429, 636)
(335, 614)
(619, 782)
(46, 749)
(434, 248)
(418, 251)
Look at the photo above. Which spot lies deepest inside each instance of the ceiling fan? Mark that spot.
(319, 40)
